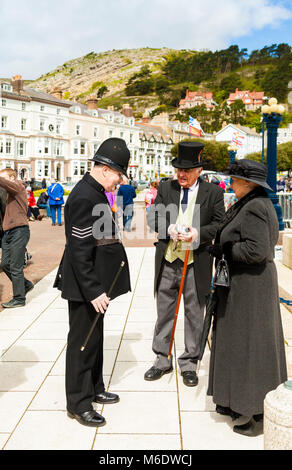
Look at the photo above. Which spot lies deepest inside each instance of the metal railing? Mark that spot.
(285, 201)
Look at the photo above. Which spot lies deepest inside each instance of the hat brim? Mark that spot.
(188, 165)
(264, 184)
(100, 159)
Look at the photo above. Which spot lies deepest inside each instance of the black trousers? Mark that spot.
(83, 368)
(14, 244)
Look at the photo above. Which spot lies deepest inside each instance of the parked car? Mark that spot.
(141, 184)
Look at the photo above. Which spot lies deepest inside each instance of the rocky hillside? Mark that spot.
(85, 75)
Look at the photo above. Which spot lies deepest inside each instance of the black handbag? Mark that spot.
(221, 276)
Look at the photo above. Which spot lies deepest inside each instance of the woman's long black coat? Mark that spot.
(248, 352)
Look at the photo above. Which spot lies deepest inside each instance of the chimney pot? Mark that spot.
(17, 83)
(127, 110)
(92, 102)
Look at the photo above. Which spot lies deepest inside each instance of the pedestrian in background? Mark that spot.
(56, 200)
(42, 202)
(32, 205)
(3, 197)
(126, 194)
(248, 353)
(150, 195)
(15, 238)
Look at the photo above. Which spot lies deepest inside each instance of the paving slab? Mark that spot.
(161, 415)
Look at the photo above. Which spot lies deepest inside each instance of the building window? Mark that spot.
(95, 132)
(3, 122)
(82, 148)
(75, 151)
(131, 138)
(46, 149)
(4, 102)
(42, 108)
(110, 133)
(8, 146)
(78, 129)
(58, 129)
(23, 124)
(82, 168)
(23, 106)
(42, 125)
(121, 135)
(1, 146)
(20, 149)
(58, 110)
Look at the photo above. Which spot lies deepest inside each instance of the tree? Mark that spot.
(214, 153)
(229, 83)
(101, 91)
(284, 156)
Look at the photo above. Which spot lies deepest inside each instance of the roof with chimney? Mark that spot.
(150, 130)
(246, 96)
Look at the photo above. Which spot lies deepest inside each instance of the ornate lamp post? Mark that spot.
(272, 116)
(159, 159)
(232, 150)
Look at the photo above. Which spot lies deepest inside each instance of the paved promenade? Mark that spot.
(161, 415)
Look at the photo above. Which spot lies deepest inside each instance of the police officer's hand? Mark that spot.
(101, 303)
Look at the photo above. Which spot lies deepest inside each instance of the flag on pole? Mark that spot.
(195, 127)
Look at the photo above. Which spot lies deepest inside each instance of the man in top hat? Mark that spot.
(189, 203)
(91, 260)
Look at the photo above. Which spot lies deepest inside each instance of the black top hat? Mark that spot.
(249, 170)
(189, 155)
(113, 152)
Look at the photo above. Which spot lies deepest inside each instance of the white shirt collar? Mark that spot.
(193, 187)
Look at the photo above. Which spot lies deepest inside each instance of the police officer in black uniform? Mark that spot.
(91, 259)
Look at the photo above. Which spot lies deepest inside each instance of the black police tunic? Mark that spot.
(93, 251)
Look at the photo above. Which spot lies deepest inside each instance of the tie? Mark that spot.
(184, 201)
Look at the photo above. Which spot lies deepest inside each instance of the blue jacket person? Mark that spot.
(91, 259)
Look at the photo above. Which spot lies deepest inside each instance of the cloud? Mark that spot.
(39, 35)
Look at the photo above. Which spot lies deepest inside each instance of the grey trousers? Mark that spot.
(167, 296)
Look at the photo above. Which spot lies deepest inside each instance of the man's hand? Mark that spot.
(173, 232)
(101, 303)
(189, 237)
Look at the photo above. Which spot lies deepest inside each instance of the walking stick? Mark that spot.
(98, 314)
(178, 300)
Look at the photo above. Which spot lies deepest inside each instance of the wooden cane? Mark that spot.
(98, 314)
(178, 300)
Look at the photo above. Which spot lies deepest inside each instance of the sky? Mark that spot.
(39, 35)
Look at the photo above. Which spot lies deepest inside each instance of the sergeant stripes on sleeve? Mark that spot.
(81, 232)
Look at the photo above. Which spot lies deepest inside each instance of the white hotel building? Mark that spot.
(43, 136)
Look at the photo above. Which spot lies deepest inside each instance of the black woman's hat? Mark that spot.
(249, 170)
(189, 155)
(114, 153)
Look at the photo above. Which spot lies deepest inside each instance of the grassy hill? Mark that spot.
(148, 78)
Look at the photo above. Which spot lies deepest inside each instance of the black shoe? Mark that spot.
(29, 287)
(106, 397)
(254, 427)
(190, 378)
(224, 410)
(13, 303)
(154, 373)
(88, 418)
